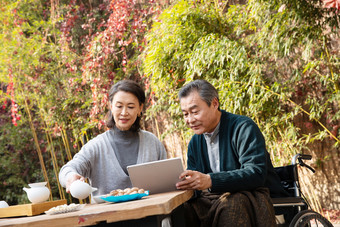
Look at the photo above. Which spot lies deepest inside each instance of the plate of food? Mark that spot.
(128, 194)
(65, 208)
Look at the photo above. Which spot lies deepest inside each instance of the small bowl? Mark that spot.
(3, 204)
(97, 199)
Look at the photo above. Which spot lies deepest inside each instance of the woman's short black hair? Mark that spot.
(130, 87)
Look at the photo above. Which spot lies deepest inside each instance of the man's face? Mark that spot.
(198, 115)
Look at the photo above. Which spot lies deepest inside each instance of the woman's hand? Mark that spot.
(71, 179)
(194, 180)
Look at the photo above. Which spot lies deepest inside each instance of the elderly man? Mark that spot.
(228, 164)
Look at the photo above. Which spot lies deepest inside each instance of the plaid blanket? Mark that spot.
(245, 208)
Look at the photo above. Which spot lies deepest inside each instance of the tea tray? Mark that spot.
(29, 209)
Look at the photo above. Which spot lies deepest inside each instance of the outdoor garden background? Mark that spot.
(275, 61)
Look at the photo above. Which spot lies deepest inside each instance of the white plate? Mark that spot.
(65, 208)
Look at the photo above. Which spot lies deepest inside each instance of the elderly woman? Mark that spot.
(104, 158)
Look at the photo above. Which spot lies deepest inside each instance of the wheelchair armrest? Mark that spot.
(288, 201)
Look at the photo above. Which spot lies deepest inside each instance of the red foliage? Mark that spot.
(100, 40)
(332, 4)
(108, 34)
(14, 106)
(111, 50)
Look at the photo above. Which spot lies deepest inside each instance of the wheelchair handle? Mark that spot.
(305, 157)
(299, 158)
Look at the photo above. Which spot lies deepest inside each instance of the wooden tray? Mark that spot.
(29, 209)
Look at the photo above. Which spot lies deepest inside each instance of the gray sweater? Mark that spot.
(97, 161)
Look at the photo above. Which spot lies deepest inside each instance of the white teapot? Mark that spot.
(38, 192)
(81, 190)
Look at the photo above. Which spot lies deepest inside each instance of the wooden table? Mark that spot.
(92, 214)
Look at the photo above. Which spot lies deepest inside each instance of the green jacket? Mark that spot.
(244, 161)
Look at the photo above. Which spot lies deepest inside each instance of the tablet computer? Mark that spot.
(157, 176)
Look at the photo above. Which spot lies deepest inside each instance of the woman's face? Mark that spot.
(125, 109)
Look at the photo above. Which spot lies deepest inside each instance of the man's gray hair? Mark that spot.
(205, 89)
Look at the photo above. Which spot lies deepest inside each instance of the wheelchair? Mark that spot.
(295, 211)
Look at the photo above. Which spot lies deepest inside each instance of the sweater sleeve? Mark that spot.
(191, 158)
(249, 171)
(80, 164)
(195, 156)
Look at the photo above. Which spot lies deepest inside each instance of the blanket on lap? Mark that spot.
(244, 208)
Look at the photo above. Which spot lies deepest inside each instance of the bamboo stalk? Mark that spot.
(54, 161)
(336, 86)
(312, 198)
(62, 156)
(35, 137)
(306, 190)
(66, 144)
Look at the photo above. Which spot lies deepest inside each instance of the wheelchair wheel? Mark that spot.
(309, 218)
